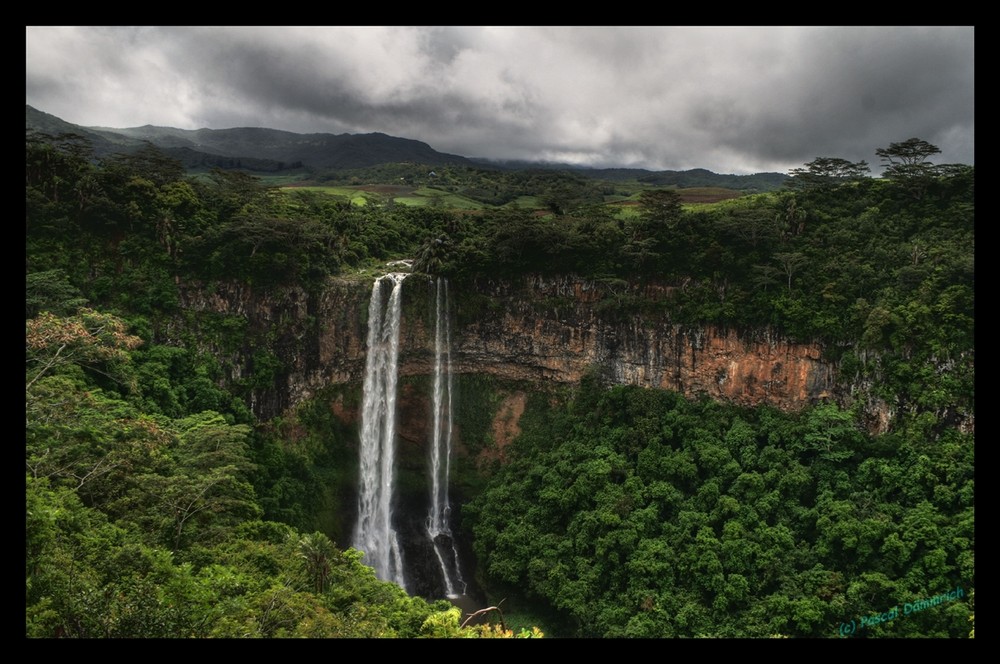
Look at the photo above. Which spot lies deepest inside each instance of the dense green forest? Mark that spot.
(635, 513)
(158, 504)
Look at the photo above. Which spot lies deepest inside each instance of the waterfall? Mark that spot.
(373, 533)
(438, 528)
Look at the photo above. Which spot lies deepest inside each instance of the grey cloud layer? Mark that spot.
(727, 99)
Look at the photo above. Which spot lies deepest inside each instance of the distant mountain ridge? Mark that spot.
(259, 148)
(271, 150)
(695, 177)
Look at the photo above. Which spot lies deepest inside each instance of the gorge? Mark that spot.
(752, 418)
(523, 336)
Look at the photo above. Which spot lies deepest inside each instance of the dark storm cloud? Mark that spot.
(853, 91)
(332, 82)
(728, 99)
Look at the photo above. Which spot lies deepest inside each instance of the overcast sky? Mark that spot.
(732, 100)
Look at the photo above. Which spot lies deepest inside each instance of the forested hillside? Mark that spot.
(159, 505)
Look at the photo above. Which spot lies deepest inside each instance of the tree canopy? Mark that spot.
(170, 493)
(827, 171)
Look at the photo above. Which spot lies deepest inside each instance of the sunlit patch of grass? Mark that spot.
(353, 194)
(529, 202)
(626, 210)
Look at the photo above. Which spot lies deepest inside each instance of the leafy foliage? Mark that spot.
(827, 171)
(647, 515)
(620, 513)
(146, 526)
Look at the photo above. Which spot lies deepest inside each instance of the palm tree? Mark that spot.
(317, 550)
(431, 256)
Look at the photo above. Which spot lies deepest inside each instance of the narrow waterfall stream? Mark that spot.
(374, 533)
(438, 526)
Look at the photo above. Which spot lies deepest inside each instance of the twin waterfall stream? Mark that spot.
(374, 532)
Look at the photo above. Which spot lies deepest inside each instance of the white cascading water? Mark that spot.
(438, 528)
(374, 534)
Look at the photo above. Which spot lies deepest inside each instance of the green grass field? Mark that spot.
(400, 194)
(530, 202)
(351, 193)
(421, 195)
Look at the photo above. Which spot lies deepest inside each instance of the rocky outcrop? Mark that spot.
(527, 340)
(536, 330)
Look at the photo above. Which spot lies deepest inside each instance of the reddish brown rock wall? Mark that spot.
(548, 330)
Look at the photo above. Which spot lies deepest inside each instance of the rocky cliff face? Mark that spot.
(538, 330)
(554, 330)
